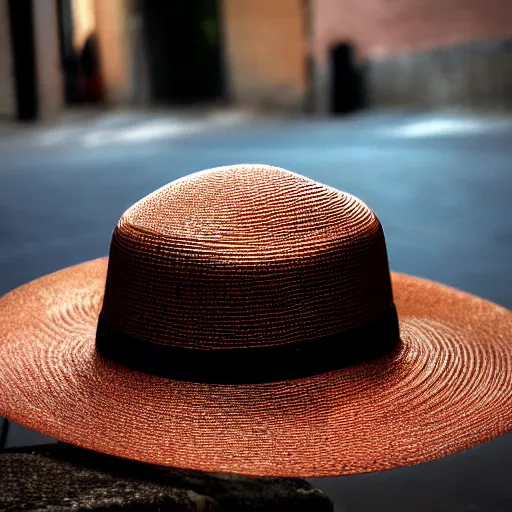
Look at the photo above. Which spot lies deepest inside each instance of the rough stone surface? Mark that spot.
(469, 77)
(61, 478)
(36, 482)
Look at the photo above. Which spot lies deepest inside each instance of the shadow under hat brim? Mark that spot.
(446, 388)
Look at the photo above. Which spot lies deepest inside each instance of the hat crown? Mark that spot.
(245, 256)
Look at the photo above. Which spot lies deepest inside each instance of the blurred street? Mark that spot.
(440, 184)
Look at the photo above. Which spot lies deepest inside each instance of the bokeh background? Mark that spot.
(405, 104)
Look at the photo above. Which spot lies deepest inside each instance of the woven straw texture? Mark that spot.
(446, 387)
(245, 256)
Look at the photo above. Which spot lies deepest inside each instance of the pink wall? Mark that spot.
(384, 27)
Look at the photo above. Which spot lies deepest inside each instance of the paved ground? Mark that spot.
(441, 185)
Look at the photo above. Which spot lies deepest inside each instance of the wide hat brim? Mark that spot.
(446, 388)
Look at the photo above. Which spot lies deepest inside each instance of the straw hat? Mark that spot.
(246, 321)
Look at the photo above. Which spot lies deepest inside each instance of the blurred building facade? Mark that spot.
(419, 53)
(7, 88)
(265, 44)
(317, 56)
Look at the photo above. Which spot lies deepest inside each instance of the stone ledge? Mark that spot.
(63, 478)
(476, 76)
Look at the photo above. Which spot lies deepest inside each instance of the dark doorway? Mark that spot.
(80, 65)
(347, 88)
(23, 49)
(68, 55)
(184, 50)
